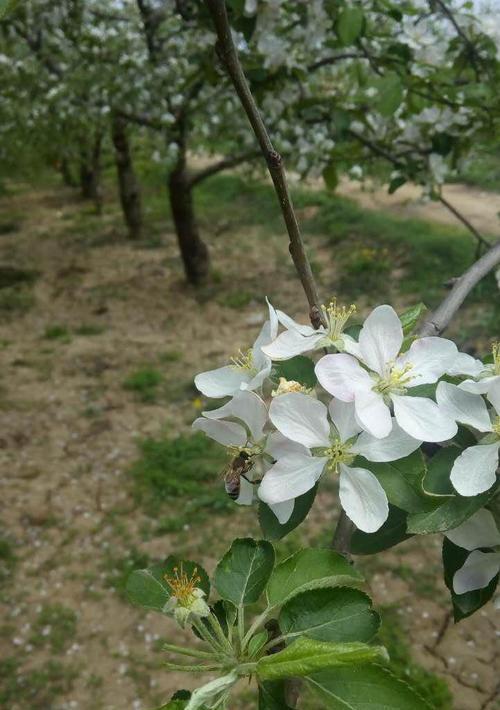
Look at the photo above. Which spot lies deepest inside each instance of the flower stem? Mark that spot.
(193, 669)
(207, 636)
(256, 623)
(241, 626)
(221, 637)
(193, 652)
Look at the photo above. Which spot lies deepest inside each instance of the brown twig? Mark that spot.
(464, 221)
(228, 55)
(229, 162)
(441, 317)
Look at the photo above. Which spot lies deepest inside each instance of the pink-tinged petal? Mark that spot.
(301, 418)
(477, 572)
(465, 364)
(381, 338)
(363, 498)
(373, 414)
(480, 530)
(223, 382)
(396, 445)
(463, 406)
(290, 343)
(246, 406)
(430, 358)
(290, 477)
(225, 433)
(278, 446)
(342, 376)
(343, 416)
(494, 395)
(284, 510)
(421, 418)
(474, 471)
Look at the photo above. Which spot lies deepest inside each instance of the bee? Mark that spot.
(240, 465)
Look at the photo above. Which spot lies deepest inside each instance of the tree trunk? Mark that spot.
(66, 173)
(90, 173)
(193, 250)
(130, 195)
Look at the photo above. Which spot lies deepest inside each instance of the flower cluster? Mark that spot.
(380, 393)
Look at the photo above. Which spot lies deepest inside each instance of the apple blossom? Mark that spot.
(187, 602)
(247, 371)
(480, 530)
(474, 471)
(331, 446)
(388, 377)
(482, 375)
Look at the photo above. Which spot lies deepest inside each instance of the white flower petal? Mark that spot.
(465, 364)
(363, 498)
(258, 380)
(290, 477)
(474, 470)
(290, 324)
(477, 572)
(430, 358)
(278, 446)
(265, 337)
(396, 445)
(421, 418)
(343, 416)
(301, 418)
(350, 346)
(247, 492)
(373, 414)
(480, 530)
(494, 395)
(342, 376)
(246, 406)
(381, 338)
(284, 510)
(273, 320)
(222, 382)
(225, 433)
(463, 406)
(290, 343)
(482, 386)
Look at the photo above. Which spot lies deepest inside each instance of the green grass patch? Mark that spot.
(118, 569)
(54, 626)
(179, 478)
(37, 688)
(7, 560)
(15, 301)
(89, 329)
(145, 384)
(57, 332)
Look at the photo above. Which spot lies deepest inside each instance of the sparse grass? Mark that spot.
(118, 569)
(179, 475)
(36, 688)
(55, 626)
(15, 301)
(169, 356)
(89, 329)
(7, 559)
(145, 384)
(394, 636)
(236, 299)
(57, 332)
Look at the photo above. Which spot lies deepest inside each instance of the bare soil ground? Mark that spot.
(68, 437)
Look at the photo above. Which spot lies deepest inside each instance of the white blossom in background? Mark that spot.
(247, 371)
(480, 530)
(474, 471)
(388, 377)
(482, 376)
(331, 445)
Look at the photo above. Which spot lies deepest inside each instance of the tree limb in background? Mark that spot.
(441, 317)
(228, 55)
(230, 162)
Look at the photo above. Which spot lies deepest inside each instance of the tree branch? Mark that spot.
(228, 55)
(326, 61)
(229, 162)
(441, 317)
(464, 221)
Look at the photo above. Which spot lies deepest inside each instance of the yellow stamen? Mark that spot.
(337, 317)
(243, 361)
(337, 453)
(286, 386)
(496, 426)
(495, 349)
(183, 586)
(395, 382)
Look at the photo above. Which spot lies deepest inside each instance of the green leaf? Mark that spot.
(390, 94)
(365, 688)
(243, 572)
(299, 368)
(309, 569)
(148, 587)
(269, 524)
(338, 615)
(437, 477)
(7, 6)
(392, 532)
(448, 515)
(306, 656)
(410, 317)
(402, 482)
(350, 24)
(257, 642)
(272, 696)
(330, 176)
(464, 605)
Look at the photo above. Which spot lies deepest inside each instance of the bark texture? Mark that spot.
(128, 186)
